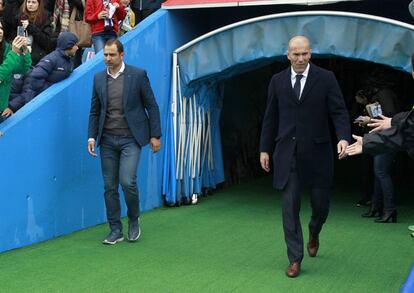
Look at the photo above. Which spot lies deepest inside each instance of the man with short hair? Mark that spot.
(301, 101)
(124, 117)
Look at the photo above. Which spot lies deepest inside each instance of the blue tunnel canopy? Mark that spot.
(195, 159)
(250, 44)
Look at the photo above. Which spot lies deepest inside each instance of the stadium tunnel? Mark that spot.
(220, 86)
(52, 187)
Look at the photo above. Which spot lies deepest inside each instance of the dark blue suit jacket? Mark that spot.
(140, 108)
(303, 125)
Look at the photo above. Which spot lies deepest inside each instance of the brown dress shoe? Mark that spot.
(313, 245)
(293, 270)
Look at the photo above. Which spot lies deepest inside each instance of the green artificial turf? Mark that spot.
(231, 241)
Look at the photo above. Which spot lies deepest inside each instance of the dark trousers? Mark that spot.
(383, 196)
(290, 213)
(367, 177)
(119, 161)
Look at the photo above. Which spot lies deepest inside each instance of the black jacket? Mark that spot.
(400, 137)
(301, 127)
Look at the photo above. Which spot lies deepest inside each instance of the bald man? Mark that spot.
(302, 100)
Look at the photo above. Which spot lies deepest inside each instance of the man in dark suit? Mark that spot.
(301, 101)
(124, 117)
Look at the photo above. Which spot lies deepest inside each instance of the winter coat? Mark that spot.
(53, 68)
(400, 137)
(12, 64)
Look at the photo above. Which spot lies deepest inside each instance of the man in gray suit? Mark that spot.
(301, 101)
(124, 117)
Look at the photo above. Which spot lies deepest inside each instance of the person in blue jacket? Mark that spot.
(51, 69)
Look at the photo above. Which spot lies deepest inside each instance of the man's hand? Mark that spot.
(341, 148)
(264, 161)
(155, 144)
(7, 112)
(356, 147)
(380, 124)
(91, 147)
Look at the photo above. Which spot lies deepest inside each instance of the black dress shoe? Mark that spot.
(387, 216)
(372, 212)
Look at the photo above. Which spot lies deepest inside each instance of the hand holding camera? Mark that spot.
(19, 45)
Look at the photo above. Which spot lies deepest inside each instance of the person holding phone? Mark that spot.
(54, 67)
(14, 58)
(32, 16)
(378, 90)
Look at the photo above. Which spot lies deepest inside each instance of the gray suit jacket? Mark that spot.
(140, 108)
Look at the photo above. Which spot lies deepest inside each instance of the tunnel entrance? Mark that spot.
(220, 82)
(244, 102)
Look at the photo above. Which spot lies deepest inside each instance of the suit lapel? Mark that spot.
(310, 81)
(127, 86)
(104, 89)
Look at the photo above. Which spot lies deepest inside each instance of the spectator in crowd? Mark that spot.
(62, 11)
(103, 16)
(53, 68)
(36, 23)
(128, 23)
(14, 58)
(378, 90)
(60, 20)
(144, 8)
(388, 135)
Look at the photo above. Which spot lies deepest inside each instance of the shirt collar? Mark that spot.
(118, 73)
(305, 73)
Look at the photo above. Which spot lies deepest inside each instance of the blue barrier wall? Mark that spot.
(50, 186)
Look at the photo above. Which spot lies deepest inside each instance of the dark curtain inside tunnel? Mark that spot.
(244, 102)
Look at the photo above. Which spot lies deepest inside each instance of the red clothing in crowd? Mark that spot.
(94, 7)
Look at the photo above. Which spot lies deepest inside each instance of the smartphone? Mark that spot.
(20, 31)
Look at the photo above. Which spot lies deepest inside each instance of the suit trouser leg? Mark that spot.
(129, 160)
(110, 157)
(320, 198)
(119, 160)
(290, 213)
